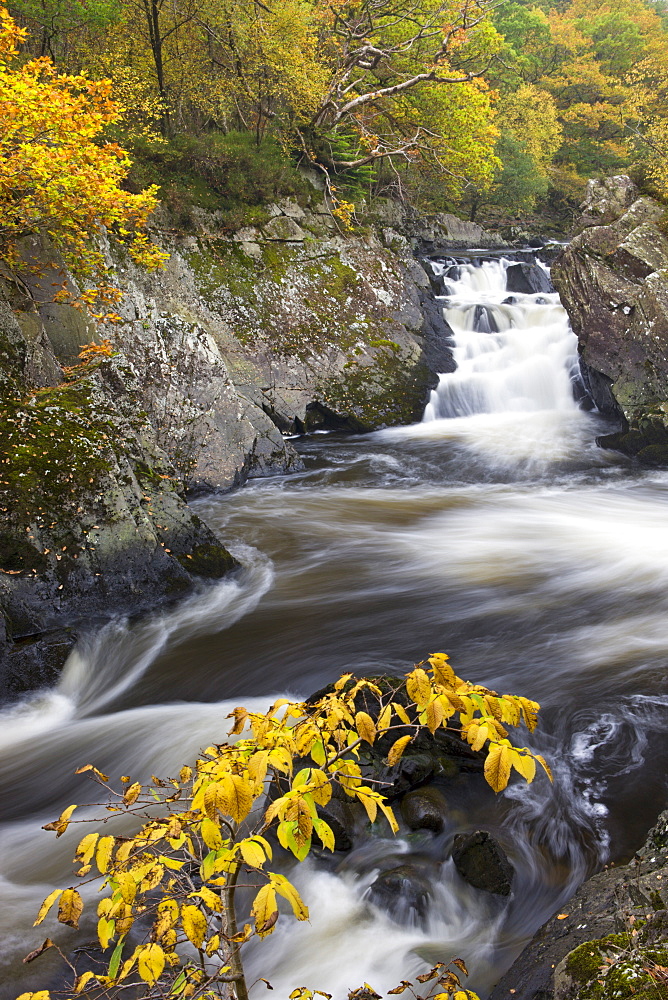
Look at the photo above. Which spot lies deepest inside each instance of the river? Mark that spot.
(495, 530)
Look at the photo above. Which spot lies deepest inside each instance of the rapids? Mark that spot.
(495, 530)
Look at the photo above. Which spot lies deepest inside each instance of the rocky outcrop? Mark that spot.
(612, 936)
(94, 521)
(613, 281)
(276, 329)
(245, 337)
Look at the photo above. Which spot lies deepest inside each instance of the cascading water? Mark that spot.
(494, 530)
(513, 352)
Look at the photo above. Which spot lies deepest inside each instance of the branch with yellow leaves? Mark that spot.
(169, 890)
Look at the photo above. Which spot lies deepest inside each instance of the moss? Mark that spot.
(616, 967)
(54, 446)
(208, 560)
(390, 391)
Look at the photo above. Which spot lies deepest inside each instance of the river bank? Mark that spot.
(242, 339)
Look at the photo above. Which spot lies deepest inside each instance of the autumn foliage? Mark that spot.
(59, 178)
(169, 916)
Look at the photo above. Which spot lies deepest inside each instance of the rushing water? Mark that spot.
(495, 530)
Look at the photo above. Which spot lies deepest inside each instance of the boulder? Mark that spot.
(283, 227)
(606, 199)
(564, 959)
(482, 862)
(527, 278)
(613, 282)
(403, 892)
(424, 809)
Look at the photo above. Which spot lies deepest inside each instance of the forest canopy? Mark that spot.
(449, 103)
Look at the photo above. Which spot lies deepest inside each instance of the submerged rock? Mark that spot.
(403, 892)
(482, 862)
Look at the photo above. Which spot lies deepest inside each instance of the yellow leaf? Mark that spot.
(342, 681)
(264, 908)
(211, 899)
(42, 995)
(497, 766)
(365, 726)
(132, 794)
(150, 963)
(530, 712)
(105, 931)
(434, 713)
(401, 712)
(211, 834)
(127, 885)
(525, 765)
(384, 719)
(237, 795)
(369, 800)
(46, 905)
(443, 672)
(325, 833)
(397, 750)
(418, 687)
(252, 853)
(213, 945)
(82, 980)
(185, 774)
(258, 765)
(86, 848)
(103, 853)
(543, 763)
(62, 823)
(288, 891)
(321, 788)
(194, 924)
(239, 715)
(70, 908)
(389, 816)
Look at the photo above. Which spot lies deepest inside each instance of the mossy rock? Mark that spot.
(617, 967)
(208, 560)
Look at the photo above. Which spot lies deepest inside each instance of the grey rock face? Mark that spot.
(605, 904)
(482, 862)
(84, 538)
(613, 281)
(606, 199)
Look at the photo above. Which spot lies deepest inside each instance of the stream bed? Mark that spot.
(495, 530)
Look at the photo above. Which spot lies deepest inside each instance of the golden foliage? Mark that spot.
(174, 881)
(58, 176)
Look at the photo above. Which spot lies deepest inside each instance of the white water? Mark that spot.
(496, 530)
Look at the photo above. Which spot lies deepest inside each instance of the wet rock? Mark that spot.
(340, 816)
(424, 809)
(529, 278)
(482, 862)
(403, 892)
(484, 320)
(606, 904)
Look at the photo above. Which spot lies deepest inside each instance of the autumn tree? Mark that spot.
(58, 177)
(169, 914)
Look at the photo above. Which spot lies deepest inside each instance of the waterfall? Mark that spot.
(514, 352)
